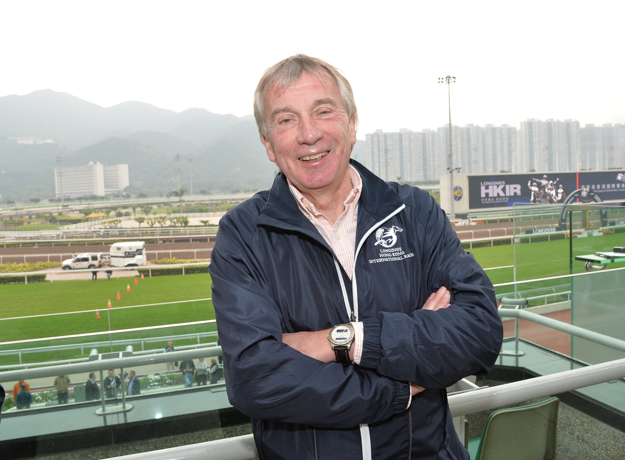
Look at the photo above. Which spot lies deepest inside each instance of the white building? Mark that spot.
(550, 145)
(92, 179)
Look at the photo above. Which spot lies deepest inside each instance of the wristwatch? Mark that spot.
(341, 338)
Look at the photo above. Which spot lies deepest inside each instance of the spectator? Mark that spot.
(17, 389)
(188, 369)
(61, 383)
(134, 386)
(201, 373)
(111, 383)
(173, 365)
(108, 274)
(215, 372)
(24, 399)
(1, 400)
(92, 392)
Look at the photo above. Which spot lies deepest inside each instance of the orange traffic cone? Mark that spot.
(118, 296)
(97, 314)
(141, 275)
(136, 282)
(128, 287)
(109, 305)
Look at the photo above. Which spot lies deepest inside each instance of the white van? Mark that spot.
(128, 254)
(89, 260)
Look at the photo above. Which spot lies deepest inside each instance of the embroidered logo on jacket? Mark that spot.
(386, 237)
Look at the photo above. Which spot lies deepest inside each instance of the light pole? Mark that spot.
(449, 80)
(191, 174)
(59, 161)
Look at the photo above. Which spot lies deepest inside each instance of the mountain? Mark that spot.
(220, 152)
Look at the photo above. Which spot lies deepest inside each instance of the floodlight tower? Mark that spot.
(191, 174)
(449, 80)
(59, 161)
(177, 169)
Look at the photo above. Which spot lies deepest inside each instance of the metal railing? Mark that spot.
(243, 447)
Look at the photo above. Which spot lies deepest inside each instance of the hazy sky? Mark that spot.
(512, 60)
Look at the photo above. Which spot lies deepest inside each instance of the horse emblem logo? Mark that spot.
(387, 237)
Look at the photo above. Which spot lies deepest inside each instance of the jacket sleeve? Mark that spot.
(267, 379)
(435, 349)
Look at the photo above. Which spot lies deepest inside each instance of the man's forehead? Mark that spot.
(303, 84)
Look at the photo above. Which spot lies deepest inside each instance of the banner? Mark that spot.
(494, 191)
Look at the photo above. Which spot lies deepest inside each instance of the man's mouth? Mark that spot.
(315, 157)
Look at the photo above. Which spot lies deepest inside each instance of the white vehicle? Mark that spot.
(128, 254)
(89, 260)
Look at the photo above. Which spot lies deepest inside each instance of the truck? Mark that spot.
(87, 260)
(128, 254)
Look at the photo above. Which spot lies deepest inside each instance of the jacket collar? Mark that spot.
(377, 200)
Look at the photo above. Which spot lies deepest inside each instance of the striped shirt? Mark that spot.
(341, 235)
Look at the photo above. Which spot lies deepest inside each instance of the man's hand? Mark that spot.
(314, 344)
(415, 389)
(437, 300)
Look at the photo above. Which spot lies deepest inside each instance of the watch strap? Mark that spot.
(342, 355)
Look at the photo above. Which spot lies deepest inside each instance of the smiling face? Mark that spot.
(310, 136)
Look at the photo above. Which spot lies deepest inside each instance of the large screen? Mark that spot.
(494, 191)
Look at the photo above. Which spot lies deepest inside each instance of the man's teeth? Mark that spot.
(314, 157)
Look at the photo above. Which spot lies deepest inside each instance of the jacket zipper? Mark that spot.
(365, 435)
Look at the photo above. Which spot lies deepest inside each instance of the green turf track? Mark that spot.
(71, 296)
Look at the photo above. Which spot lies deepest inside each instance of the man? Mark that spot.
(187, 368)
(169, 348)
(17, 387)
(92, 391)
(134, 386)
(61, 383)
(345, 305)
(24, 399)
(111, 383)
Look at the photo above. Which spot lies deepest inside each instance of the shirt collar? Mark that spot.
(309, 209)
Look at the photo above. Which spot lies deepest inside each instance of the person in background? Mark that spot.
(17, 389)
(61, 383)
(2, 395)
(215, 372)
(92, 392)
(188, 369)
(111, 383)
(24, 398)
(134, 386)
(201, 372)
(169, 348)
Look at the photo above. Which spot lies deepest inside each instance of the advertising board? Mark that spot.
(501, 190)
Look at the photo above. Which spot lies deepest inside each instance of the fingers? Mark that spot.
(437, 300)
(415, 389)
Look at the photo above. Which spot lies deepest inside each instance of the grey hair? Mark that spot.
(288, 71)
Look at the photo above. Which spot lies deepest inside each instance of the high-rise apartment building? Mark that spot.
(602, 147)
(92, 179)
(550, 145)
(420, 156)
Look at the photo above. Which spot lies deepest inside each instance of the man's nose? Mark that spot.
(309, 132)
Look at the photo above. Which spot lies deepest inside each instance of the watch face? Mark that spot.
(342, 335)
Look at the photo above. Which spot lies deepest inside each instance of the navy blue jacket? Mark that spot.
(273, 272)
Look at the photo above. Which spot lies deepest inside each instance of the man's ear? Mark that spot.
(268, 148)
(352, 129)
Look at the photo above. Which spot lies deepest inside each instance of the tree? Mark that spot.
(35, 200)
(162, 220)
(179, 193)
(205, 222)
(152, 221)
(146, 210)
(142, 195)
(140, 220)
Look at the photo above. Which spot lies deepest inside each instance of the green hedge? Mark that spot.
(174, 271)
(20, 279)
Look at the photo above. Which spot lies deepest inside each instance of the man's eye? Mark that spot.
(286, 121)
